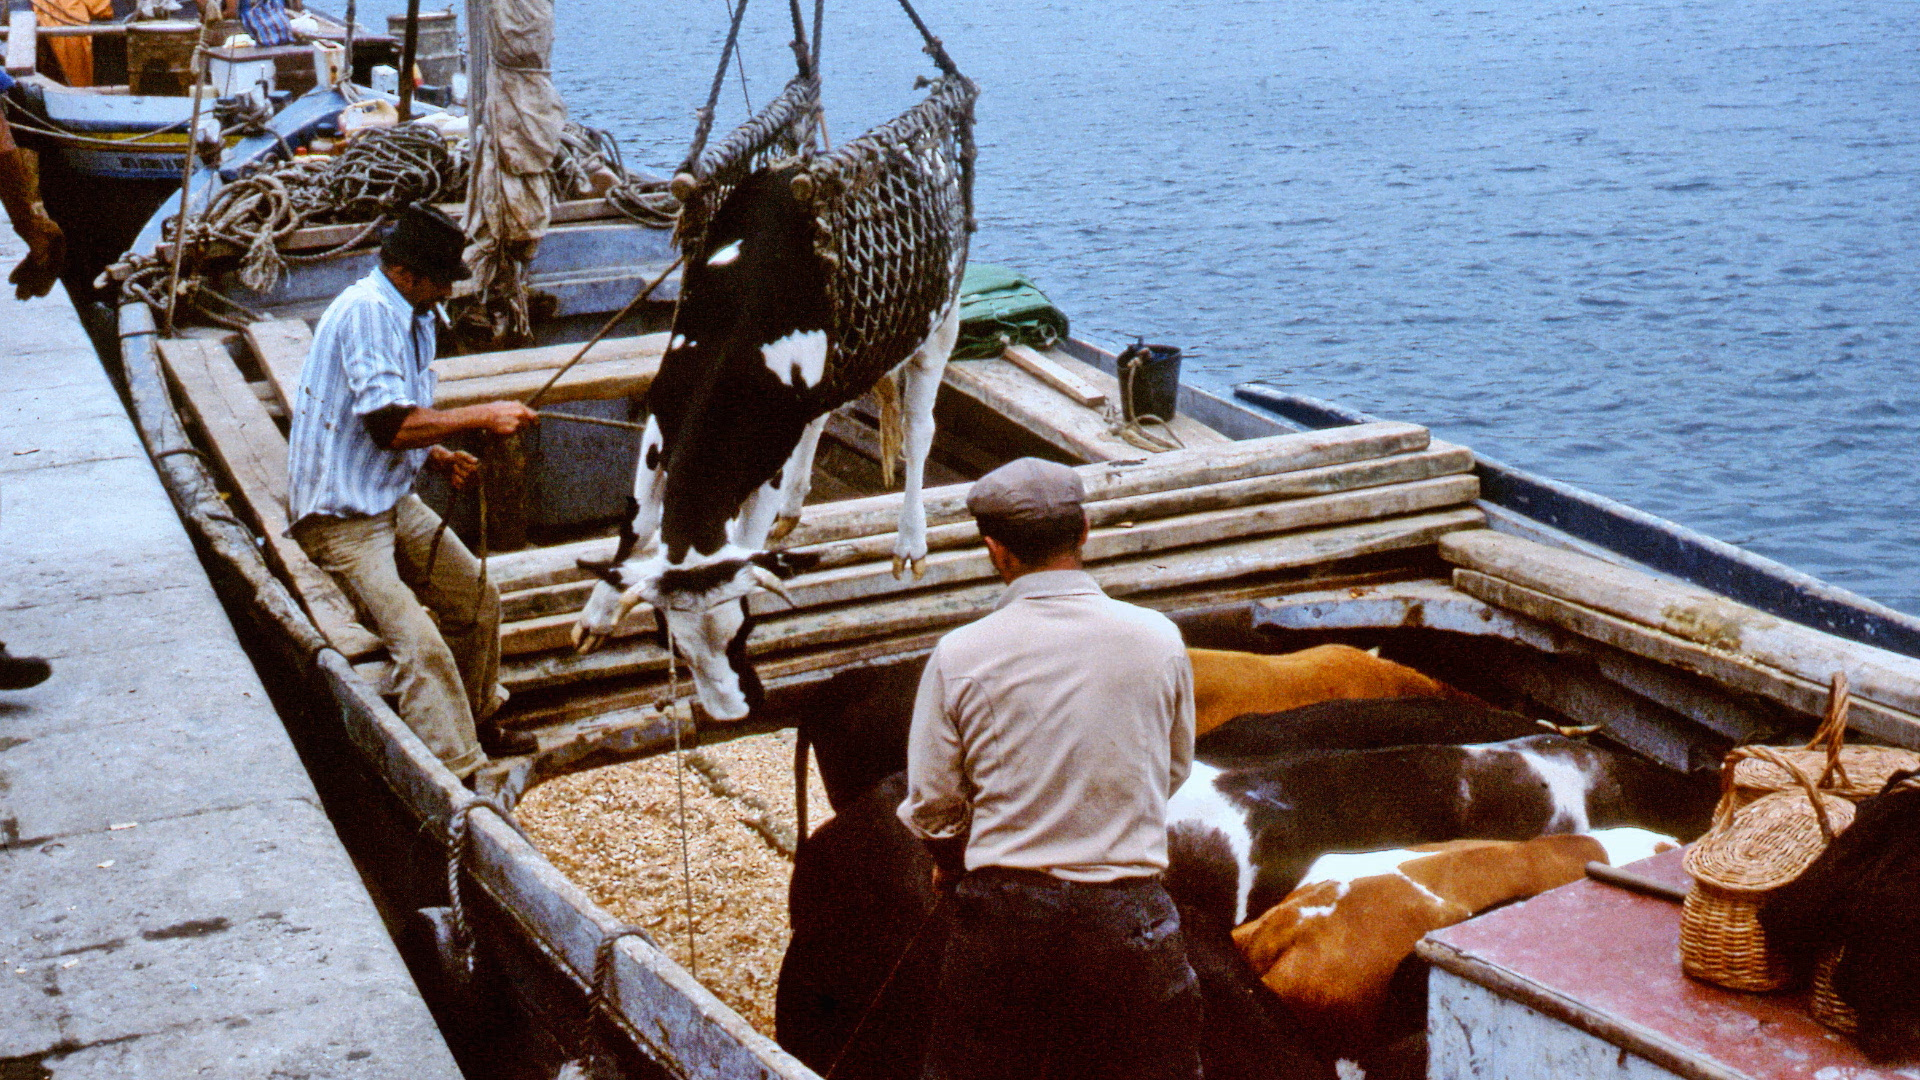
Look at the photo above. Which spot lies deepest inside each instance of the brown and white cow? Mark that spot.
(1330, 950)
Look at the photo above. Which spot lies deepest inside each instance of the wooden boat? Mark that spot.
(1283, 522)
(113, 132)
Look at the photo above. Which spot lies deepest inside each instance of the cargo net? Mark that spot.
(776, 132)
(894, 210)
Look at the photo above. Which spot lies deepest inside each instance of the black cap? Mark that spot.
(428, 243)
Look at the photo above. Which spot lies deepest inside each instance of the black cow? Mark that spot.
(749, 376)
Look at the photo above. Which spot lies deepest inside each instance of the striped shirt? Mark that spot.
(369, 352)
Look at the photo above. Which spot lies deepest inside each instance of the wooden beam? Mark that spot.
(281, 346)
(1113, 513)
(254, 454)
(1733, 670)
(22, 45)
(586, 382)
(1110, 480)
(1694, 614)
(1081, 432)
(547, 358)
(1154, 572)
(1050, 372)
(867, 580)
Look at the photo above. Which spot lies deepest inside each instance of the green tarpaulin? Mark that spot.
(998, 308)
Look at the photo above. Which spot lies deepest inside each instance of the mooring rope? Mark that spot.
(459, 831)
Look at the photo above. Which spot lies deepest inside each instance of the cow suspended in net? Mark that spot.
(812, 277)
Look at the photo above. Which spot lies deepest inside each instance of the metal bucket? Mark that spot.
(1149, 380)
(437, 53)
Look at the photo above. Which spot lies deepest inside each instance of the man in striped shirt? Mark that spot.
(364, 426)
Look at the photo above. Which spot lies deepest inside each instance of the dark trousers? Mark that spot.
(1053, 979)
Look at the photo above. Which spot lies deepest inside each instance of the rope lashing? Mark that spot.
(599, 989)
(459, 831)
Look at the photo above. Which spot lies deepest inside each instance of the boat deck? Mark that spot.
(1217, 523)
(175, 901)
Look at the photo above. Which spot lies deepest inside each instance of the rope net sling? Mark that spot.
(893, 213)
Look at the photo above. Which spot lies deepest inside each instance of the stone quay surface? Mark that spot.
(173, 901)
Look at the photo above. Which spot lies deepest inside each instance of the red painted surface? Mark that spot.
(1618, 953)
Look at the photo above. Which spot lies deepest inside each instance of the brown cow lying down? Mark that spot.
(1330, 949)
(1229, 684)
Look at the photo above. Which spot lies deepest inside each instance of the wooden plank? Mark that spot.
(254, 454)
(586, 382)
(1161, 538)
(22, 45)
(1736, 671)
(1050, 372)
(547, 358)
(1694, 614)
(1110, 480)
(1152, 572)
(1442, 461)
(1003, 387)
(281, 346)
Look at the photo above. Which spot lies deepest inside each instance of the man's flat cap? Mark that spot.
(1027, 489)
(428, 242)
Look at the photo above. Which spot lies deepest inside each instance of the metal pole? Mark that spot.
(349, 44)
(406, 60)
(207, 18)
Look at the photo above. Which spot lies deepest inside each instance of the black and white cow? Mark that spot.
(734, 417)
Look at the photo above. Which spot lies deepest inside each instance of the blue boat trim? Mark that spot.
(1654, 542)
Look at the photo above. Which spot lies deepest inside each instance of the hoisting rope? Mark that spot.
(680, 789)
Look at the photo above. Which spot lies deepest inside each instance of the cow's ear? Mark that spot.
(604, 571)
(786, 564)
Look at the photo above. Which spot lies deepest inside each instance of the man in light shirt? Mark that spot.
(1046, 740)
(364, 426)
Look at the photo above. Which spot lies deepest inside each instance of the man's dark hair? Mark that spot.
(1036, 540)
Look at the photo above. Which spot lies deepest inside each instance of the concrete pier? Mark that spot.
(173, 902)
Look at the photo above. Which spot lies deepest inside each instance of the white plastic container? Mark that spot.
(233, 76)
(329, 63)
(386, 80)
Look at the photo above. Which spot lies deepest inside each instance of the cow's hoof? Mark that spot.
(783, 527)
(919, 568)
(584, 642)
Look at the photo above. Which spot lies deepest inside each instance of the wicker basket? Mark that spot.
(1854, 773)
(1750, 851)
(1827, 1006)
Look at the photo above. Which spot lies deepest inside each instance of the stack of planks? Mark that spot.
(1170, 528)
(1691, 629)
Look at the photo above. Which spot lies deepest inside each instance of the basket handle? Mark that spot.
(1723, 814)
(1832, 735)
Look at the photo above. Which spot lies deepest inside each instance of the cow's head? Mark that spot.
(700, 606)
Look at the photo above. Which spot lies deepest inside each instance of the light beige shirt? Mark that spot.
(1054, 728)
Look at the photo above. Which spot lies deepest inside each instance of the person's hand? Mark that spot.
(46, 257)
(505, 417)
(457, 464)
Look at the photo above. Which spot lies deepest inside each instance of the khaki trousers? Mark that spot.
(445, 674)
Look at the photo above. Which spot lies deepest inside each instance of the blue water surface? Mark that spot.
(1667, 251)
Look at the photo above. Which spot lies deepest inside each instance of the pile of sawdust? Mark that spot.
(615, 832)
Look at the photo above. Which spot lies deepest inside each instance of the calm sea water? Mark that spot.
(1667, 251)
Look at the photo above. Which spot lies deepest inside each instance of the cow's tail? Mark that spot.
(893, 424)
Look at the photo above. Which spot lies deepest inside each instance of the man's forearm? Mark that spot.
(949, 854)
(402, 427)
(18, 188)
